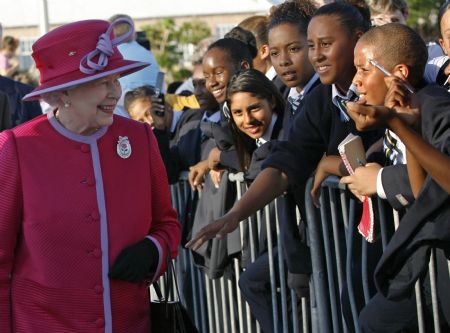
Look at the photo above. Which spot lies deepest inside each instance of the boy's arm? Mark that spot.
(434, 162)
(416, 173)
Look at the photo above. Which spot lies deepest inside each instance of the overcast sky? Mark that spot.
(26, 12)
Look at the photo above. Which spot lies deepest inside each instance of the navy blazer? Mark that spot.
(20, 111)
(426, 223)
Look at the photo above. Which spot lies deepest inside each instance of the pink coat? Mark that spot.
(68, 205)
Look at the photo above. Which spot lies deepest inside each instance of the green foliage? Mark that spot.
(166, 37)
(181, 74)
(421, 14)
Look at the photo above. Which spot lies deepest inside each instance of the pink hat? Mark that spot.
(80, 52)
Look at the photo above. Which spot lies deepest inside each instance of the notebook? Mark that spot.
(352, 152)
(353, 155)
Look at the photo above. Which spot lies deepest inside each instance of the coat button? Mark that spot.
(100, 322)
(98, 289)
(97, 253)
(85, 148)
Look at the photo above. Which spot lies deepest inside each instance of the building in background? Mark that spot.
(219, 15)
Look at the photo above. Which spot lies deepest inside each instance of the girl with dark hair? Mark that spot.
(256, 119)
(222, 60)
(256, 109)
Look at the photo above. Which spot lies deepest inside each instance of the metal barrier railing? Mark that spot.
(218, 306)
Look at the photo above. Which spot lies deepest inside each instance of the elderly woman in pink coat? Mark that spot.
(85, 215)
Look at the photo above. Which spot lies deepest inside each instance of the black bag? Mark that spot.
(169, 316)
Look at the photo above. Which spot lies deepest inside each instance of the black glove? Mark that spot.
(135, 262)
(300, 284)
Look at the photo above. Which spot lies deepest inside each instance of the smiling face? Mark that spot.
(252, 115)
(368, 79)
(445, 30)
(140, 110)
(331, 50)
(217, 71)
(204, 98)
(91, 105)
(289, 55)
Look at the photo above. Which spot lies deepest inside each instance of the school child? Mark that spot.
(438, 69)
(388, 11)
(425, 225)
(288, 49)
(257, 25)
(256, 119)
(223, 59)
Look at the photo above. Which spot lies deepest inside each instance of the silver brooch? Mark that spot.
(123, 147)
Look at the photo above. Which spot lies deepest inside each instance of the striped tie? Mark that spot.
(294, 102)
(342, 105)
(393, 154)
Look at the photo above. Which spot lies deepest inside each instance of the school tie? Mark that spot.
(342, 105)
(294, 102)
(392, 152)
(352, 96)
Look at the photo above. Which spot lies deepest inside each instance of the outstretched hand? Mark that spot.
(218, 229)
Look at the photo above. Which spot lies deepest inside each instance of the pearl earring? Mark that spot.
(67, 104)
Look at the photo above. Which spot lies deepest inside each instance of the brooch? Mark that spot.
(123, 147)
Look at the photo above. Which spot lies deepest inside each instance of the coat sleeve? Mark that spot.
(10, 221)
(300, 154)
(165, 230)
(396, 186)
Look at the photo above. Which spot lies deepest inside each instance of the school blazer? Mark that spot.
(426, 222)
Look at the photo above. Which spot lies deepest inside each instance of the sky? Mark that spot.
(27, 12)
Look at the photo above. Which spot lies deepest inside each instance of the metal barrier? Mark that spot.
(217, 305)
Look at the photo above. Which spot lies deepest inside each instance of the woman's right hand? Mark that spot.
(218, 229)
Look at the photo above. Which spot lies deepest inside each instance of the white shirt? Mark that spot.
(433, 67)
(214, 118)
(268, 133)
(271, 73)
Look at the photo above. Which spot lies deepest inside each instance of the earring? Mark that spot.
(67, 104)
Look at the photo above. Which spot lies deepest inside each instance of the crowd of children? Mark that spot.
(274, 99)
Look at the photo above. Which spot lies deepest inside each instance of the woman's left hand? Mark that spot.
(135, 262)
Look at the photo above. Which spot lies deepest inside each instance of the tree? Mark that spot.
(422, 15)
(167, 37)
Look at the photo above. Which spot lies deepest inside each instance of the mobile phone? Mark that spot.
(161, 97)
